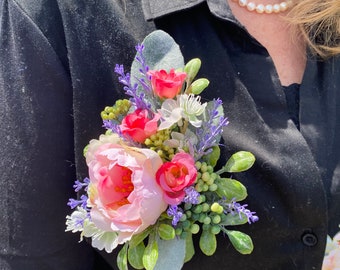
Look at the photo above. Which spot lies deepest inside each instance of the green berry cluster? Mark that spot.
(121, 107)
(156, 143)
(208, 212)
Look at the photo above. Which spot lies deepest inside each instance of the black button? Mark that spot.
(309, 239)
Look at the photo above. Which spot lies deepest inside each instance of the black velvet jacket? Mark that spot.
(56, 74)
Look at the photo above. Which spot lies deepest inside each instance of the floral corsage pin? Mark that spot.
(152, 183)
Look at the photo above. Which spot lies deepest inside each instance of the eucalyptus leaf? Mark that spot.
(241, 241)
(171, 254)
(160, 52)
(231, 189)
(208, 243)
(239, 162)
(150, 255)
(122, 258)
(135, 256)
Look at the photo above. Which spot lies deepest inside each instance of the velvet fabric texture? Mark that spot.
(56, 74)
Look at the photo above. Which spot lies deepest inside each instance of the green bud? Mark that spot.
(213, 187)
(215, 229)
(205, 176)
(195, 228)
(192, 68)
(239, 162)
(204, 167)
(216, 219)
(183, 217)
(205, 207)
(187, 206)
(207, 220)
(198, 209)
(217, 208)
(166, 232)
(198, 86)
(178, 231)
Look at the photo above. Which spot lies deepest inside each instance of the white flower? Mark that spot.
(76, 220)
(186, 106)
(181, 141)
(171, 113)
(191, 108)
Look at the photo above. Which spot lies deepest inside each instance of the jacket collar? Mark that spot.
(154, 9)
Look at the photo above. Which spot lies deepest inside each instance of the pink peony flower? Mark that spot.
(139, 126)
(175, 176)
(166, 85)
(123, 193)
(332, 259)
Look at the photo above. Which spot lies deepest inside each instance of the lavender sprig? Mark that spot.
(145, 80)
(236, 208)
(176, 213)
(78, 185)
(137, 99)
(211, 130)
(73, 203)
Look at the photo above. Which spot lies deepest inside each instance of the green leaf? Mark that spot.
(231, 189)
(150, 255)
(232, 220)
(214, 156)
(192, 68)
(166, 231)
(239, 162)
(198, 86)
(208, 242)
(189, 248)
(241, 241)
(122, 258)
(135, 256)
(138, 238)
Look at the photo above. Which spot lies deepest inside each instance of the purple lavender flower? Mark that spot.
(211, 130)
(79, 185)
(176, 213)
(137, 99)
(111, 125)
(236, 208)
(192, 196)
(73, 203)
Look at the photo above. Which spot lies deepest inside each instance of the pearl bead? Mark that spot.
(251, 6)
(242, 3)
(283, 6)
(276, 8)
(260, 8)
(267, 9)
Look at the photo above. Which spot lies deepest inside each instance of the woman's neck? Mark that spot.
(275, 34)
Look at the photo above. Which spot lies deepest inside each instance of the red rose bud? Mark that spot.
(139, 126)
(167, 85)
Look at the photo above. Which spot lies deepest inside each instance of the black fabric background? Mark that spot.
(56, 75)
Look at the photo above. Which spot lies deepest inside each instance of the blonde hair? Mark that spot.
(319, 23)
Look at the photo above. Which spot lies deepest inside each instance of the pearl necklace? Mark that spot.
(266, 9)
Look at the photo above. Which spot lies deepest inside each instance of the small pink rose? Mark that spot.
(139, 126)
(175, 176)
(167, 85)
